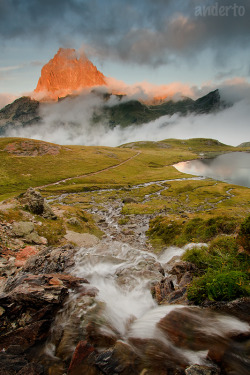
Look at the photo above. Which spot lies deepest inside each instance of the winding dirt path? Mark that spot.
(89, 174)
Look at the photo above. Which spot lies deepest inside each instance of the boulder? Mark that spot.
(51, 260)
(162, 289)
(239, 308)
(29, 304)
(180, 268)
(22, 228)
(36, 204)
(190, 328)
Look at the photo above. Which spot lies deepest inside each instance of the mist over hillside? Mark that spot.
(70, 122)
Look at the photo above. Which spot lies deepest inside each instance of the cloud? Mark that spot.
(69, 122)
(147, 32)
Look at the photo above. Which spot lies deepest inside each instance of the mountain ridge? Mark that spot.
(26, 111)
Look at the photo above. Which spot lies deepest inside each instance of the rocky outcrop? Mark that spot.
(68, 72)
(21, 112)
(35, 203)
(29, 303)
(32, 148)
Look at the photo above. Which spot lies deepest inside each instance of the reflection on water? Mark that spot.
(233, 168)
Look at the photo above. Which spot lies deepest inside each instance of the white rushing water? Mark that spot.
(123, 276)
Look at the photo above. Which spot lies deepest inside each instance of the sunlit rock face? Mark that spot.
(66, 73)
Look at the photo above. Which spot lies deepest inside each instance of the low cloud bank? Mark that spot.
(69, 122)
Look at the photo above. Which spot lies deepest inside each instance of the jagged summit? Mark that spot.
(67, 72)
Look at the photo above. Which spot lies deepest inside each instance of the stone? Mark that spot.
(35, 239)
(51, 260)
(22, 228)
(30, 303)
(239, 308)
(183, 327)
(24, 254)
(180, 268)
(82, 239)
(201, 370)
(162, 289)
(36, 204)
(160, 357)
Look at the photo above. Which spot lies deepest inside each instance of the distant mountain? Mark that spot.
(244, 144)
(135, 112)
(25, 111)
(68, 72)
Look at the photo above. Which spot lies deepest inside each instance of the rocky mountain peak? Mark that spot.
(67, 72)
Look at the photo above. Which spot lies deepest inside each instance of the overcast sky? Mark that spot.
(159, 41)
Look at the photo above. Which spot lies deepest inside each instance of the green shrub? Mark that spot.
(198, 256)
(165, 230)
(219, 286)
(244, 234)
(195, 230)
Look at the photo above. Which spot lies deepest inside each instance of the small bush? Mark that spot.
(198, 256)
(244, 234)
(219, 286)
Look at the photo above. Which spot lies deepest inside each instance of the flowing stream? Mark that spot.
(117, 307)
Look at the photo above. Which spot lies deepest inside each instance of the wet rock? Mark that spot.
(201, 370)
(162, 289)
(180, 268)
(183, 327)
(36, 204)
(179, 296)
(27, 336)
(99, 337)
(159, 357)
(30, 303)
(78, 364)
(236, 358)
(239, 308)
(51, 260)
(185, 280)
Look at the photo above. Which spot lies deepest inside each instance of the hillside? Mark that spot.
(115, 230)
(25, 111)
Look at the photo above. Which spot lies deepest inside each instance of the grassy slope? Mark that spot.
(153, 163)
(17, 173)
